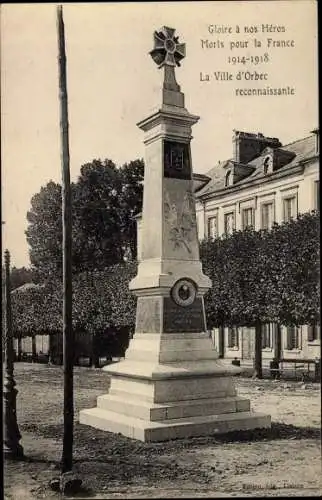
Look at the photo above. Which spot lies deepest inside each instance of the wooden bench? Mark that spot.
(301, 366)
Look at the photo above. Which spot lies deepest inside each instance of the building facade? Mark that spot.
(264, 182)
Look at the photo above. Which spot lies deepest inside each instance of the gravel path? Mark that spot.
(283, 461)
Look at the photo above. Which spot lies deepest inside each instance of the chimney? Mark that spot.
(247, 146)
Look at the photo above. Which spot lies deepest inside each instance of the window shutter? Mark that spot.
(233, 337)
(294, 337)
(298, 337)
(310, 333)
(264, 217)
(236, 336)
(289, 337)
(213, 227)
(229, 337)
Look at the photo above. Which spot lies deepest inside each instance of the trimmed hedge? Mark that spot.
(258, 276)
(265, 276)
(101, 301)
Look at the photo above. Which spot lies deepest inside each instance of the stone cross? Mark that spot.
(168, 53)
(167, 49)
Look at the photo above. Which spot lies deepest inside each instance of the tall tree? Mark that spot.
(264, 277)
(132, 175)
(105, 200)
(292, 254)
(19, 276)
(96, 224)
(44, 233)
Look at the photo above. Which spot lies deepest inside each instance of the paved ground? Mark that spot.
(285, 461)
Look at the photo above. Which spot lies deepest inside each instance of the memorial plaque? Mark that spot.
(178, 319)
(176, 160)
(148, 315)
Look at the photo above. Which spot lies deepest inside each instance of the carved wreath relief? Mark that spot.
(184, 292)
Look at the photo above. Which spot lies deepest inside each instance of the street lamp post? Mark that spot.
(11, 446)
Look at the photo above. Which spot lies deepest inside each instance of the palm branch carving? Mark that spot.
(181, 221)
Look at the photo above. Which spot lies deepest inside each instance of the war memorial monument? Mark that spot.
(171, 383)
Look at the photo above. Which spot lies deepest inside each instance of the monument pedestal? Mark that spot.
(190, 393)
(171, 383)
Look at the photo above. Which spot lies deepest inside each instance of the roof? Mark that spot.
(199, 180)
(26, 286)
(303, 149)
(217, 178)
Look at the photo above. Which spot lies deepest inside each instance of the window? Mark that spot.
(248, 218)
(267, 335)
(229, 178)
(213, 227)
(289, 208)
(233, 337)
(313, 333)
(293, 338)
(268, 164)
(317, 140)
(267, 214)
(317, 195)
(229, 222)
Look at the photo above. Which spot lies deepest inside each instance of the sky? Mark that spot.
(113, 84)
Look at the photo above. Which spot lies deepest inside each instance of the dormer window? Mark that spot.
(316, 132)
(229, 178)
(268, 164)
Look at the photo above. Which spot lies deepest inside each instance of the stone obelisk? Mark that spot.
(171, 383)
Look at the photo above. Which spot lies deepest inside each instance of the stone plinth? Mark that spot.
(190, 393)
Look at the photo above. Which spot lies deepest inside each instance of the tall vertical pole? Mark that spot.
(68, 340)
(11, 446)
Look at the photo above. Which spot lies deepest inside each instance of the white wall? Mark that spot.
(300, 185)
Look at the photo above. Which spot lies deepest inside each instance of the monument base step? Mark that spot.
(165, 430)
(127, 404)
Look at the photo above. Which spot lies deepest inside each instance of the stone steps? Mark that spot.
(153, 431)
(146, 410)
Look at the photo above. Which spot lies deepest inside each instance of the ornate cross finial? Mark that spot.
(167, 50)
